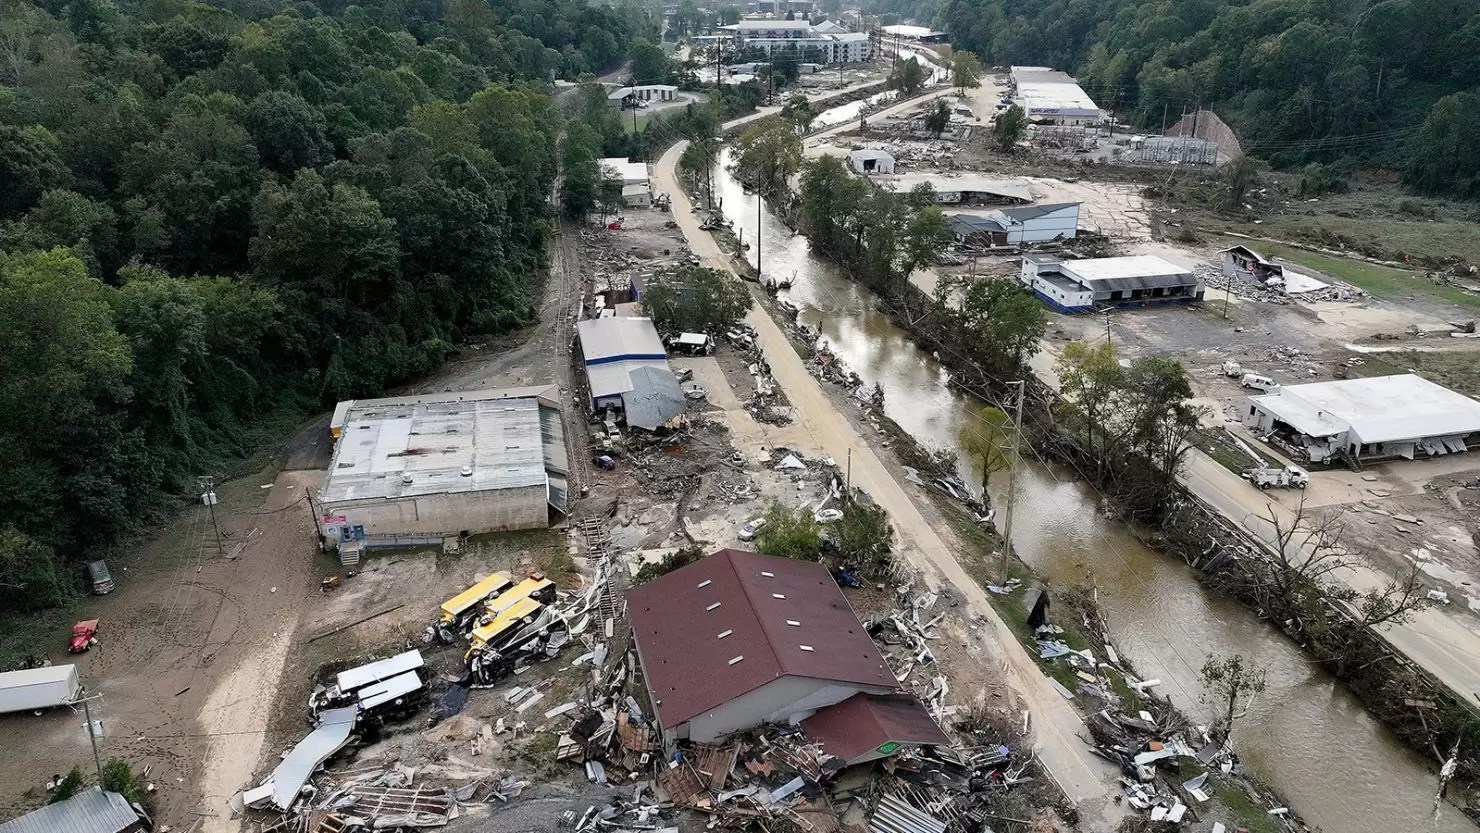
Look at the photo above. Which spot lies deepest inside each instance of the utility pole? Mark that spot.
(1227, 290)
(1164, 118)
(208, 497)
(1012, 473)
(92, 735)
(759, 199)
(848, 475)
(1108, 341)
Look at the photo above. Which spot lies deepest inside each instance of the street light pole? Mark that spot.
(1012, 474)
(92, 735)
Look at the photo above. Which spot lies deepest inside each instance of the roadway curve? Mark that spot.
(1086, 780)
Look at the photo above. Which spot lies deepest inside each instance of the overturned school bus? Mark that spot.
(461, 613)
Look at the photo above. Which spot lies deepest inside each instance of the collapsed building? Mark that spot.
(1361, 419)
(1016, 225)
(427, 469)
(738, 639)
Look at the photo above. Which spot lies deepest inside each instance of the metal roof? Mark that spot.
(618, 339)
(864, 722)
(1023, 213)
(654, 399)
(91, 811)
(969, 183)
(734, 621)
(893, 815)
(392, 450)
(1135, 266)
(332, 733)
(615, 378)
(380, 670)
(1378, 409)
(969, 224)
(768, 25)
(616, 167)
(39, 676)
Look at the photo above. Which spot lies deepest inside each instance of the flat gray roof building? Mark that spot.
(414, 466)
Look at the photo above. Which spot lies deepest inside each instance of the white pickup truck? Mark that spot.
(1266, 477)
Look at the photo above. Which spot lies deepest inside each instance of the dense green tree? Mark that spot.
(30, 163)
(864, 538)
(938, 118)
(1009, 128)
(1446, 157)
(73, 783)
(908, 76)
(998, 323)
(966, 70)
(789, 533)
(695, 299)
(798, 111)
(289, 132)
(650, 64)
(768, 155)
(67, 218)
(30, 575)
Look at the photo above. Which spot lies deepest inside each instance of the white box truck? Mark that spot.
(39, 688)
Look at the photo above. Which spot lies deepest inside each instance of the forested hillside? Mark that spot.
(1394, 83)
(212, 215)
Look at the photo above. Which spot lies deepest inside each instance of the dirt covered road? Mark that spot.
(1083, 779)
(192, 647)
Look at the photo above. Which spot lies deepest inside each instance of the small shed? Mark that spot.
(871, 161)
(637, 196)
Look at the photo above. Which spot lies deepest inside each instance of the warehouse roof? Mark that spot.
(972, 184)
(1023, 213)
(93, 810)
(456, 442)
(615, 378)
(865, 723)
(734, 621)
(619, 339)
(1095, 269)
(1378, 409)
(617, 167)
(969, 224)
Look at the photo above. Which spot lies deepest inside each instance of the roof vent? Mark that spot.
(794, 623)
(713, 606)
(807, 648)
(723, 634)
(768, 574)
(467, 471)
(406, 479)
(778, 595)
(705, 583)
(735, 660)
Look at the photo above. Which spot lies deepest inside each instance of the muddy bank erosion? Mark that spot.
(1306, 735)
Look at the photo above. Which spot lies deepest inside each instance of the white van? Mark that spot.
(1257, 382)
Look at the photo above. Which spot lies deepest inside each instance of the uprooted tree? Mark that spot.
(865, 538)
(1236, 682)
(1302, 578)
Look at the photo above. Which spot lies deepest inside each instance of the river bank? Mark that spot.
(1306, 735)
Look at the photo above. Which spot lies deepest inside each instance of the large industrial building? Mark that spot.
(424, 469)
(627, 370)
(1082, 285)
(824, 43)
(1048, 96)
(1382, 416)
(738, 639)
(1017, 225)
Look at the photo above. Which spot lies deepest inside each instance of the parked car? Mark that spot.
(1257, 382)
(827, 516)
(102, 579)
(84, 636)
(751, 527)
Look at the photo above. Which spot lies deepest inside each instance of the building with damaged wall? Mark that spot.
(739, 639)
(1404, 416)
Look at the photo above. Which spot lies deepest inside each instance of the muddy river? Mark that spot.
(1344, 772)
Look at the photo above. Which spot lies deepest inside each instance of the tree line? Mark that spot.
(216, 217)
(1389, 83)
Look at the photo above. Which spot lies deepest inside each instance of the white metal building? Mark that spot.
(1048, 96)
(421, 469)
(1081, 285)
(869, 161)
(828, 42)
(627, 370)
(1381, 416)
(1017, 225)
(642, 92)
(629, 172)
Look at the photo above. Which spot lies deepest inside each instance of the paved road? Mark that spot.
(1084, 779)
(1444, 644)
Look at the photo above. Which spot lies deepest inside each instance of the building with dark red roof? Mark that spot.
(739, 639)
(866, 726)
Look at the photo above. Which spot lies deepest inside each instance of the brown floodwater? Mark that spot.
(1305, 735)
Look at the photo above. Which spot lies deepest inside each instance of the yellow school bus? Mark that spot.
(465, 601)
(539, 589)
(508, 622)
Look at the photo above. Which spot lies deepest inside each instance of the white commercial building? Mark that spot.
(627, 370)
(1018, 225)
(628, 96)
(825, 43)
(1382, 416)
(422, 469)
(1048, 96)
(1082, 285)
